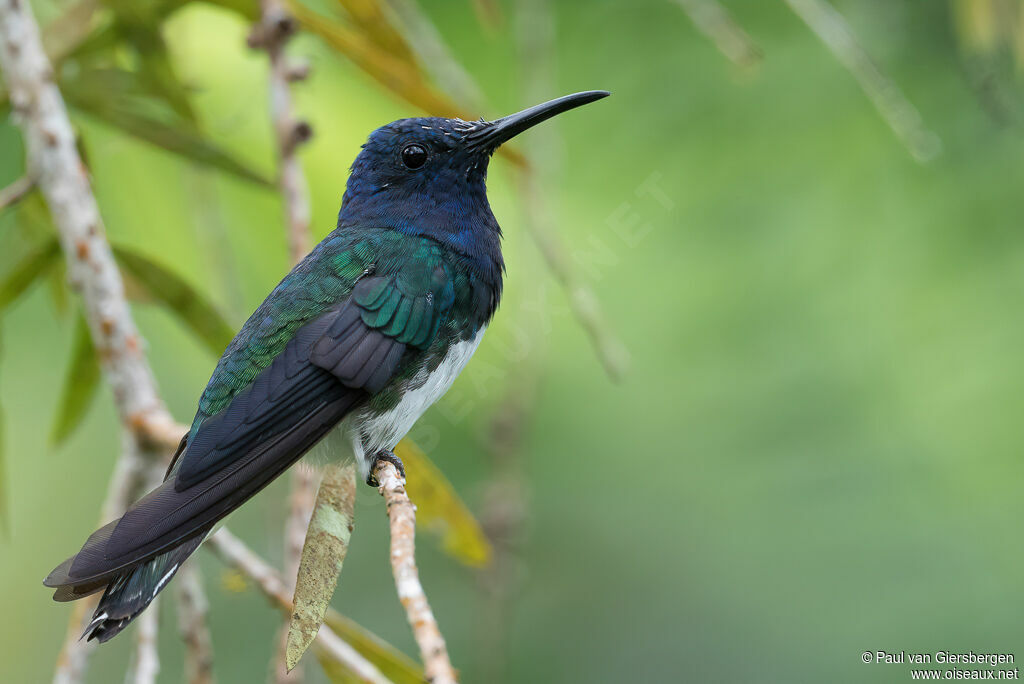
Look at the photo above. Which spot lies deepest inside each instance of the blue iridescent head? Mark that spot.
(426, 176)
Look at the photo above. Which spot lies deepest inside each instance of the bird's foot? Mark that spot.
(388, 456)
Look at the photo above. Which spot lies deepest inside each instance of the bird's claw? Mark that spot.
(388, 456)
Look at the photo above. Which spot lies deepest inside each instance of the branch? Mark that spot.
(147, 659)
(275, 28)
(235, 553)
(715, 22)
(57, 168)
(901, 116)
(192, 610)
(149, 430)
(73, 659)
(146, 664)
(15, 192)
(402, 515)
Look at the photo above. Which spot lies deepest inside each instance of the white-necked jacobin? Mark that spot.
(362, 336)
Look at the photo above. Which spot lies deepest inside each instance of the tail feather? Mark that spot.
(128, 593)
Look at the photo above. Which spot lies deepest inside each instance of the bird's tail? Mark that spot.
(129, 591)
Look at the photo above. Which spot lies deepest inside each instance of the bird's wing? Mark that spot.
(329, 366)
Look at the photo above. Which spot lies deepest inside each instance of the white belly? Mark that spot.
(371, 434)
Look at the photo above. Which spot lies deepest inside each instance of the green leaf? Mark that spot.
(158, 284)
(138, 24)
(323, 554)
(127, 101)
(57, 284)
(440, 510)
(80, 385)
(33, 220)
(3, 466)
(63, 35)
(31, 268)
(391, 662)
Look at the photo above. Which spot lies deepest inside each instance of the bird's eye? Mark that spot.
(414, 156)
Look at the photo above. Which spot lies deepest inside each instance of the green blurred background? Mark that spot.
(816, 450)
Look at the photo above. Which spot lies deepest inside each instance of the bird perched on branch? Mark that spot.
(362, 336)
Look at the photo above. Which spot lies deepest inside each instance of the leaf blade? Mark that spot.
(371, 17)
(119, 98)
(440, 510)
(31, 268)
(80, 385)
(163, 286)
(401, 76)
(323, 555)
(4, 524)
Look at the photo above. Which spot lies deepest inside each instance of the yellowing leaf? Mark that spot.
(439, 509)
(79, 386)
(150, 280)
(323, 554)
(398, 71)
(369, 15)
(65, 33)
(391, 662)
(401, 76)
(233, 581)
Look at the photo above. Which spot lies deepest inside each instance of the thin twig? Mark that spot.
(15, 192)
(146, 666)
(536, 36)
(901, 116)
(192, 611)
(715, 22)
(235, 553)
(276, 26)
(73, 660)
(402, 516)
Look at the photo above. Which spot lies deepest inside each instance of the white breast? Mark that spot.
(370, 434)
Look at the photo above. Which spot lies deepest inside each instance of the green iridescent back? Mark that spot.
(417, 266)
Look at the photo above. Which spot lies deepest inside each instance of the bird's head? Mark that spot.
(426, 176)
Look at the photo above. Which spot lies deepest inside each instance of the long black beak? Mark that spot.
(492, 134)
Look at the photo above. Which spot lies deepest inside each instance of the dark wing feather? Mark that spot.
(329, 366)
(269, 425)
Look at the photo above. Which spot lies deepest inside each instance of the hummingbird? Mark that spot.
(354, 344)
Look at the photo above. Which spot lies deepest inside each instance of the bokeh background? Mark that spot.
(816, 448)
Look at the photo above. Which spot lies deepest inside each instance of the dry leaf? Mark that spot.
(323, 555)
